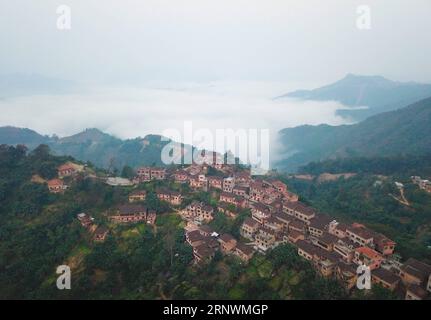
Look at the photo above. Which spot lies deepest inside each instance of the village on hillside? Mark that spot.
(274, 216)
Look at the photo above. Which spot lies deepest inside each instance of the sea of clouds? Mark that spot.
(129, 112)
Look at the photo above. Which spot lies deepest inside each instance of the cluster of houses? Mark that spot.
(206, 243)
(57, 185)
(276, 217)
(132, 213)
(145, 174)
(66, 170)
(335, 249)
(174, 198)
(422, 183)
(99, 232)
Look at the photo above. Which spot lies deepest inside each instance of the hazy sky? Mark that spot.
(128, 41)
(150, 65)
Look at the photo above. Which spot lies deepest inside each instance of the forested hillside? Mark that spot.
(93, 145)
(405, 131)
(407, 165)
(39, 231)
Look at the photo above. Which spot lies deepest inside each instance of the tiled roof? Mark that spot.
(361, 231)
(417, 268)
(417, 291)
(194, 235)
(226, 237)
(138, 193)
(131, 209)
(250, 222)
(385, 275)
(320, 221)
(244, 248)
(368, 252)
(55, 182)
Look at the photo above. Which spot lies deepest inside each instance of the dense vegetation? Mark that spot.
(401, 166)
(406, 131)
(92, 145)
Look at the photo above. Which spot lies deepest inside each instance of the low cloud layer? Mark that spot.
(152, 109)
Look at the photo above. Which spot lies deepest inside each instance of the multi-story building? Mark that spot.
(66, 170)
(249, 228)
(345, 249)
(240, 191)
(318, 225)
(203, 253)
(346, 274)
(279, 186)
(283, 218)
(85, 220)
(299, 211)
(130, 213)
(181, 176)
(198, 211)
(244, 252)
(325, 263)
(257, 191)
(294, 236)
(368, 256)
(215, 182)
(228, 184)
(383, 244)
(415, 272)
(144, 174)
(274, 224)
(415, 292)
(172, 197)
(264, 240)
(195, 238)
(260, 213)
(137, 196)
(306, 249)
(385, 278)
(237, 201)
(360, 235)
(56, 186)
(158, 173)
(100, 234)
(227, 243)
(297, 225)
(199, 182)
(242, 178)
(326, 241)
(338, 229)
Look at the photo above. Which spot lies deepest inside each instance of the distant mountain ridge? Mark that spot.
(93, 145)
(375, 92)
(403, 131)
